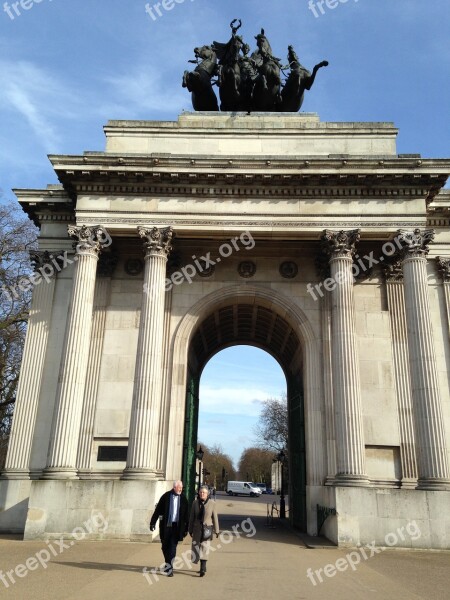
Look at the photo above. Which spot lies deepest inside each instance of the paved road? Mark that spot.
(252, 561)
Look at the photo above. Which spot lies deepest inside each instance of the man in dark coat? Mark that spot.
(173, 508)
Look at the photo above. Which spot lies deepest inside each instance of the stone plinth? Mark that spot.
(221, 134)
(397, 518)
(101, 509)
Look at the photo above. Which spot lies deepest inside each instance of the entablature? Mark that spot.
(216, 177)
(51, 204)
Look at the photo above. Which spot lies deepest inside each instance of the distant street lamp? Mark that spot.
(280, 458)
(199, 455)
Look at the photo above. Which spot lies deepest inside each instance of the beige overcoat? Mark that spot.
(201, 549)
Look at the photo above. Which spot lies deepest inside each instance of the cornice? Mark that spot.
(250, 187)
(439, 210)
(51, 204)
(346, 163)
(283, 225)
(267, 176)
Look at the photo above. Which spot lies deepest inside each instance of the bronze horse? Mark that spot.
(266, 92)
(229, 69)
(199, 83)
(299, 80)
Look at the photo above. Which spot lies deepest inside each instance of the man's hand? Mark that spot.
(152, 528)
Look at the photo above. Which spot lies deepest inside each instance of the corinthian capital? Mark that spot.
(157, 241)
(393, 271)
(443, 265)
(41, 259)
(89, 240)
(340, 244)
(415, 242)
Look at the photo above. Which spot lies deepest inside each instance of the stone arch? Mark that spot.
(314, 401)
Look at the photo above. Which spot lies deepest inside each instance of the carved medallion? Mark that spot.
(247, 269)
(206, 270)
(288, 269)
(134, 266)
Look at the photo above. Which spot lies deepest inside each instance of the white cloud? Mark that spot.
(144, 88)
(37, 96)
(232, 400)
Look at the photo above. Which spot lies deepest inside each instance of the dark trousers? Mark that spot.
(169, 544)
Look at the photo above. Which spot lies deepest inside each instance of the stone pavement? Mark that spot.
(272, 563)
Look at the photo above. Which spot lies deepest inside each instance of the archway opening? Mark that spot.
(250, 324)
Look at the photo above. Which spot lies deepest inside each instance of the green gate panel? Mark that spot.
(297, 455)
(190, 436)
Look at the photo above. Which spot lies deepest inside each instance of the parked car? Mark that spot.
(244, 488)
(262, 487)
(269, 491)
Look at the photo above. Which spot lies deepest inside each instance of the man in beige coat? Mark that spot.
(204, 510)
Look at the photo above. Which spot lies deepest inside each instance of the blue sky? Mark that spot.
(233, 387)
(67, 66)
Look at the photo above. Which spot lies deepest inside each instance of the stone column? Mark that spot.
(350, 449)
(166, 370)
(328, 388)
(428, 417)
(396, 302)
(444, 269)
(142, 458)
(28, 391)
(75, 357)
(105, 269)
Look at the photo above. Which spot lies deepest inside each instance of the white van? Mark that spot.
(244, 488)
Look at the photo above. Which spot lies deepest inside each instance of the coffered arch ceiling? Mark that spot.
(249, 324)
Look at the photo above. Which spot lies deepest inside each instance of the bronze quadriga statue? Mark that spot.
(247, 83)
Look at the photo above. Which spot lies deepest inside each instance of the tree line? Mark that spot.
(255, 463)
(18, 236)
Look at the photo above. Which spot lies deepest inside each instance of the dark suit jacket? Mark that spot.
(162, 510)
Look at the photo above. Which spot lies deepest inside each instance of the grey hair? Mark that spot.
(204, 487)
(176, 482)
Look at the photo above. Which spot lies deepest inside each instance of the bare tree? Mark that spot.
(219, 465)
(255, 465)
(17, 237)
(271, 430)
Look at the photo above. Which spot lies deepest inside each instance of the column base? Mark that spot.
(409, 484)
(15, 474)
(433, 484)
(85, 474)
(345, 480)
(59, 473)
(142, 474)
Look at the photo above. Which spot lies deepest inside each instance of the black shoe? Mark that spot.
(169, 573)
(202, 568)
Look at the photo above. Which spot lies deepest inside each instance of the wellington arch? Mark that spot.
(245, 314)
(316, 242)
